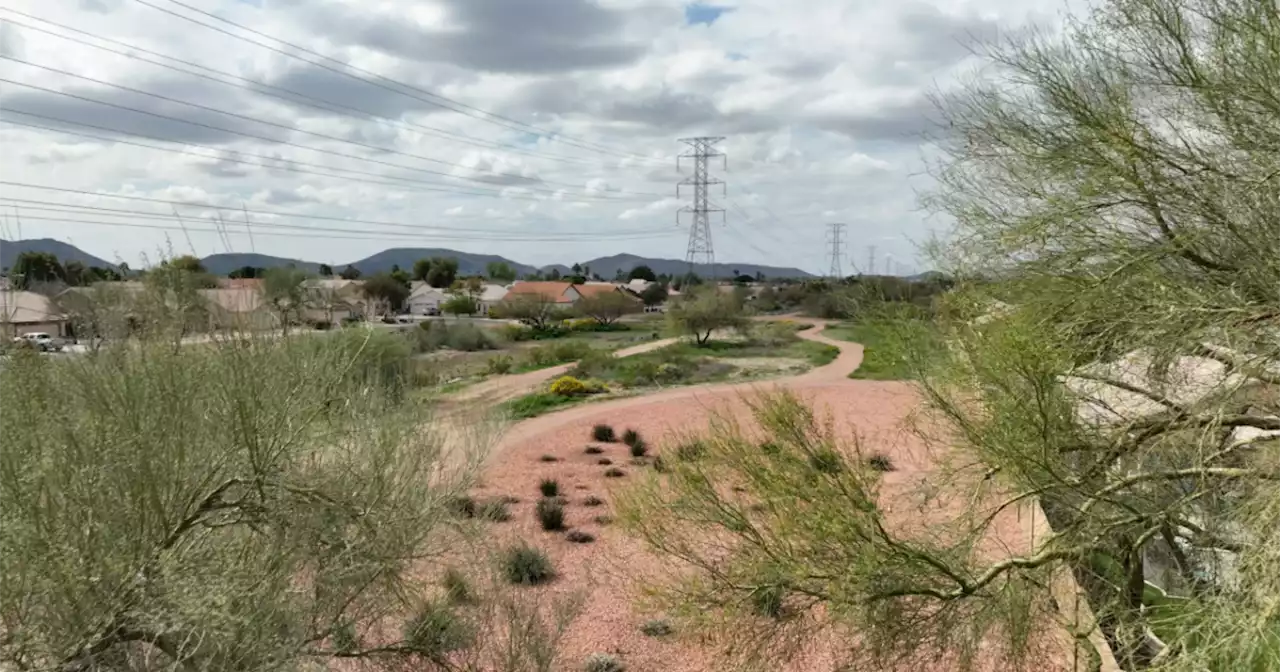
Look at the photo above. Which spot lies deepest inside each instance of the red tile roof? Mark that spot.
(553, 289)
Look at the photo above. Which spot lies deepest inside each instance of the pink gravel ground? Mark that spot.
(605, 571)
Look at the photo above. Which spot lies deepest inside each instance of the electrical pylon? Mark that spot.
(835, 241)
(700, 250)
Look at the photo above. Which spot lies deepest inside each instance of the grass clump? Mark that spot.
(633, 440)
(767, 600)
(548, 458)
(881, 462)
(602, 520)
(604, 461)
(593, 450)
(603, 434)
(630, 436)
(603, 662)
(527, 566)
(592, 501)
(437, 630)
(462, 506)
(691, 451)
(580, 537)
(549, 487)
(826, 461)
(614, 472)
(457, 589)
(658, 627)
(550, 515)
(536, 403)
(494, 511)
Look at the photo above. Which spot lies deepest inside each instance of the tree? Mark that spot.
(606, 307)
(500, 271)
(325, 271)
(421, 268)
(247, 272)
(101, 274)
(554, 274)
(441, 271)
(535, 309)
(642, 272)
(75, 273)
(285, 290)
(460, 304)
(654, 295)
(36, 267)
(391, 292)
(350, 273)
(1111, 242)
(186, 263)
(703, 311)
(400, 276)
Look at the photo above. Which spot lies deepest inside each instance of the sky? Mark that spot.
(545, 131)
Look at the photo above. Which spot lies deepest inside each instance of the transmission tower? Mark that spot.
(835, 240)
(871, 260)
(701, 151)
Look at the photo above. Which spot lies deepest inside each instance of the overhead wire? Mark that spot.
(306, 99)
(430, 98)
(286, 127)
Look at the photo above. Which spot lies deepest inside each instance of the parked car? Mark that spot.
(40, 341)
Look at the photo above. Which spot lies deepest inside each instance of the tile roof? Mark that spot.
(550, 288)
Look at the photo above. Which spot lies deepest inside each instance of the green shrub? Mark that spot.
(826, 461)
(500, 365)
(881, 462)
(657, 628)
(462, 506)
(614, 472)
(580, 537)
(463, 336)
(550, 514)
(767, 600)
(593, 450)
(549, 487)
(691, 451)
(524, 565)
(630, 436)
(603, 662)
(457, 589)
(437, 630)
(638, 447)
(568, 386)
(592, 500)
(494, 511)
(595, 363)
(603, 433)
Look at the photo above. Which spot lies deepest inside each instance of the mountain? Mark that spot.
(468, 263)
(9, 251)
(224, 263)
(606, 267)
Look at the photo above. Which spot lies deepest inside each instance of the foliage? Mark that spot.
(457, 588)
(550, 514)
(654, 295)
(494, 511)
(549, 487)
(641, 272)
(325, 271)
(235, 504)
(592, 500)
(657, 628)
(386, 289)
(350, 273)
(433, 335)
(700, 313)
(439, 272)
(185, 262)
(607, 307)
(247, 272)
(580, 537)
(460, 304)
(614, 472)
(500, 365)
(536, 310)
(881, 462)
(604, 461)
(593, 450)
(884, 355)
(542, 356)
(603, 433)
(437, 629)
(461, 506)
(568, 386)
(536, 403)
(525, 565)
(603, 662)
(284, 289)
(500, 271)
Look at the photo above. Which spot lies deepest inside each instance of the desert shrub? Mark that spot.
(630, 436)
(568, 386)
(457, 589)
(639, 448)
(556, 353)
(595, 363)
(826, 461)
(881, 462)
(592, 501)
(464, 336)
(602, 520)
(550, 514)
(657, 627)
(525, 565)
(767, 600)
(500, 365)
(509, 499)
(437, 630)
(580, 537)
(773, 334)
(603, 433)
(462, 506)
(548, 458)
(549, 487)
(691, 451)
(535, 404)
(593, 450)
(659, 466)
(494, 511)
(604, 461)
(614, 472)
(603, 662)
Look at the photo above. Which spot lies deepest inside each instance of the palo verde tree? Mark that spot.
(285, 290)
(1110, 353)
(607, 307)
(704, 310)
(535, 309)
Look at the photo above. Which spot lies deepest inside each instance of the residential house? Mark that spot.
(28, 312)
(425, 299)
(560, 292)
(333, 300)
(241, 308)
(240, 283)
(101, 309)
(490, 296)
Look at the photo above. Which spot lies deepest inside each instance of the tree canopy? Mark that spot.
(35, 267)
(536, 310)
(607, 307)
(500, 271)
(439, 272)
(705, 310)
(386, 289)
(350, 273)
(642, 272)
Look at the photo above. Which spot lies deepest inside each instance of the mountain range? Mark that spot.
(469, 263)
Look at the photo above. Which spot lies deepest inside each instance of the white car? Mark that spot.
(40, 341)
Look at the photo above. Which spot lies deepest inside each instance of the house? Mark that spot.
(560, 292)
(333, 300)
(490, 296)
(28, 312)
(241, 308)
(425, 299)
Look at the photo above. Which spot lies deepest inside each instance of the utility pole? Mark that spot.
(871, 260)
(701, 151)
(834, 243)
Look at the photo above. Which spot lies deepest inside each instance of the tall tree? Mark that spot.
(421, 269)
(608, 307)
(247, 272)
(655, 294)
(350, 273)
(186, 262)
(500, 271)
(325, 271)
(36, 267)
(389, 291)
(75, 273)
(442, 272)
(642, 272)
(284, 289)
(536, 310)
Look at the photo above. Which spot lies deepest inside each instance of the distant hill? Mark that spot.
(468, 263)
(606, 267)
(222, 264)
(9, 251)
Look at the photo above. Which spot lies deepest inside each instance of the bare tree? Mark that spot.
(535, 309)
(285, 290)
(607, 308)
(704, 310)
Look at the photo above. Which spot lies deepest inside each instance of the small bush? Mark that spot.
(614, 472)
(881, 462)
(770, 448)
(657, 628)
(630, 436)
(437, 630)
(826, 461)
(457, 590)
(602, 520)
(691, 451)
(535, 404)
(639, 448)
(659, 466)
(767, 600)
(549, 487)
(603, 434)
(593, 450)
(494, 511)
(568, 386)
(462, 506)
(604, 461)
(592, 501)
(603, 662)
(548, 458)
(509, 499)
(501, 364)
(580, 537)
(550, 515)
(525, 565)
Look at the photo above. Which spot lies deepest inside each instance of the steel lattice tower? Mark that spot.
(835, 240)
(700, 250)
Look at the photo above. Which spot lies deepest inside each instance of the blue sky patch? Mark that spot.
(699, 12)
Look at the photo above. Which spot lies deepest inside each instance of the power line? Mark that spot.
(273, 124)
(835, 242)
(315, 103)
(700, 249)
(466, 110)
